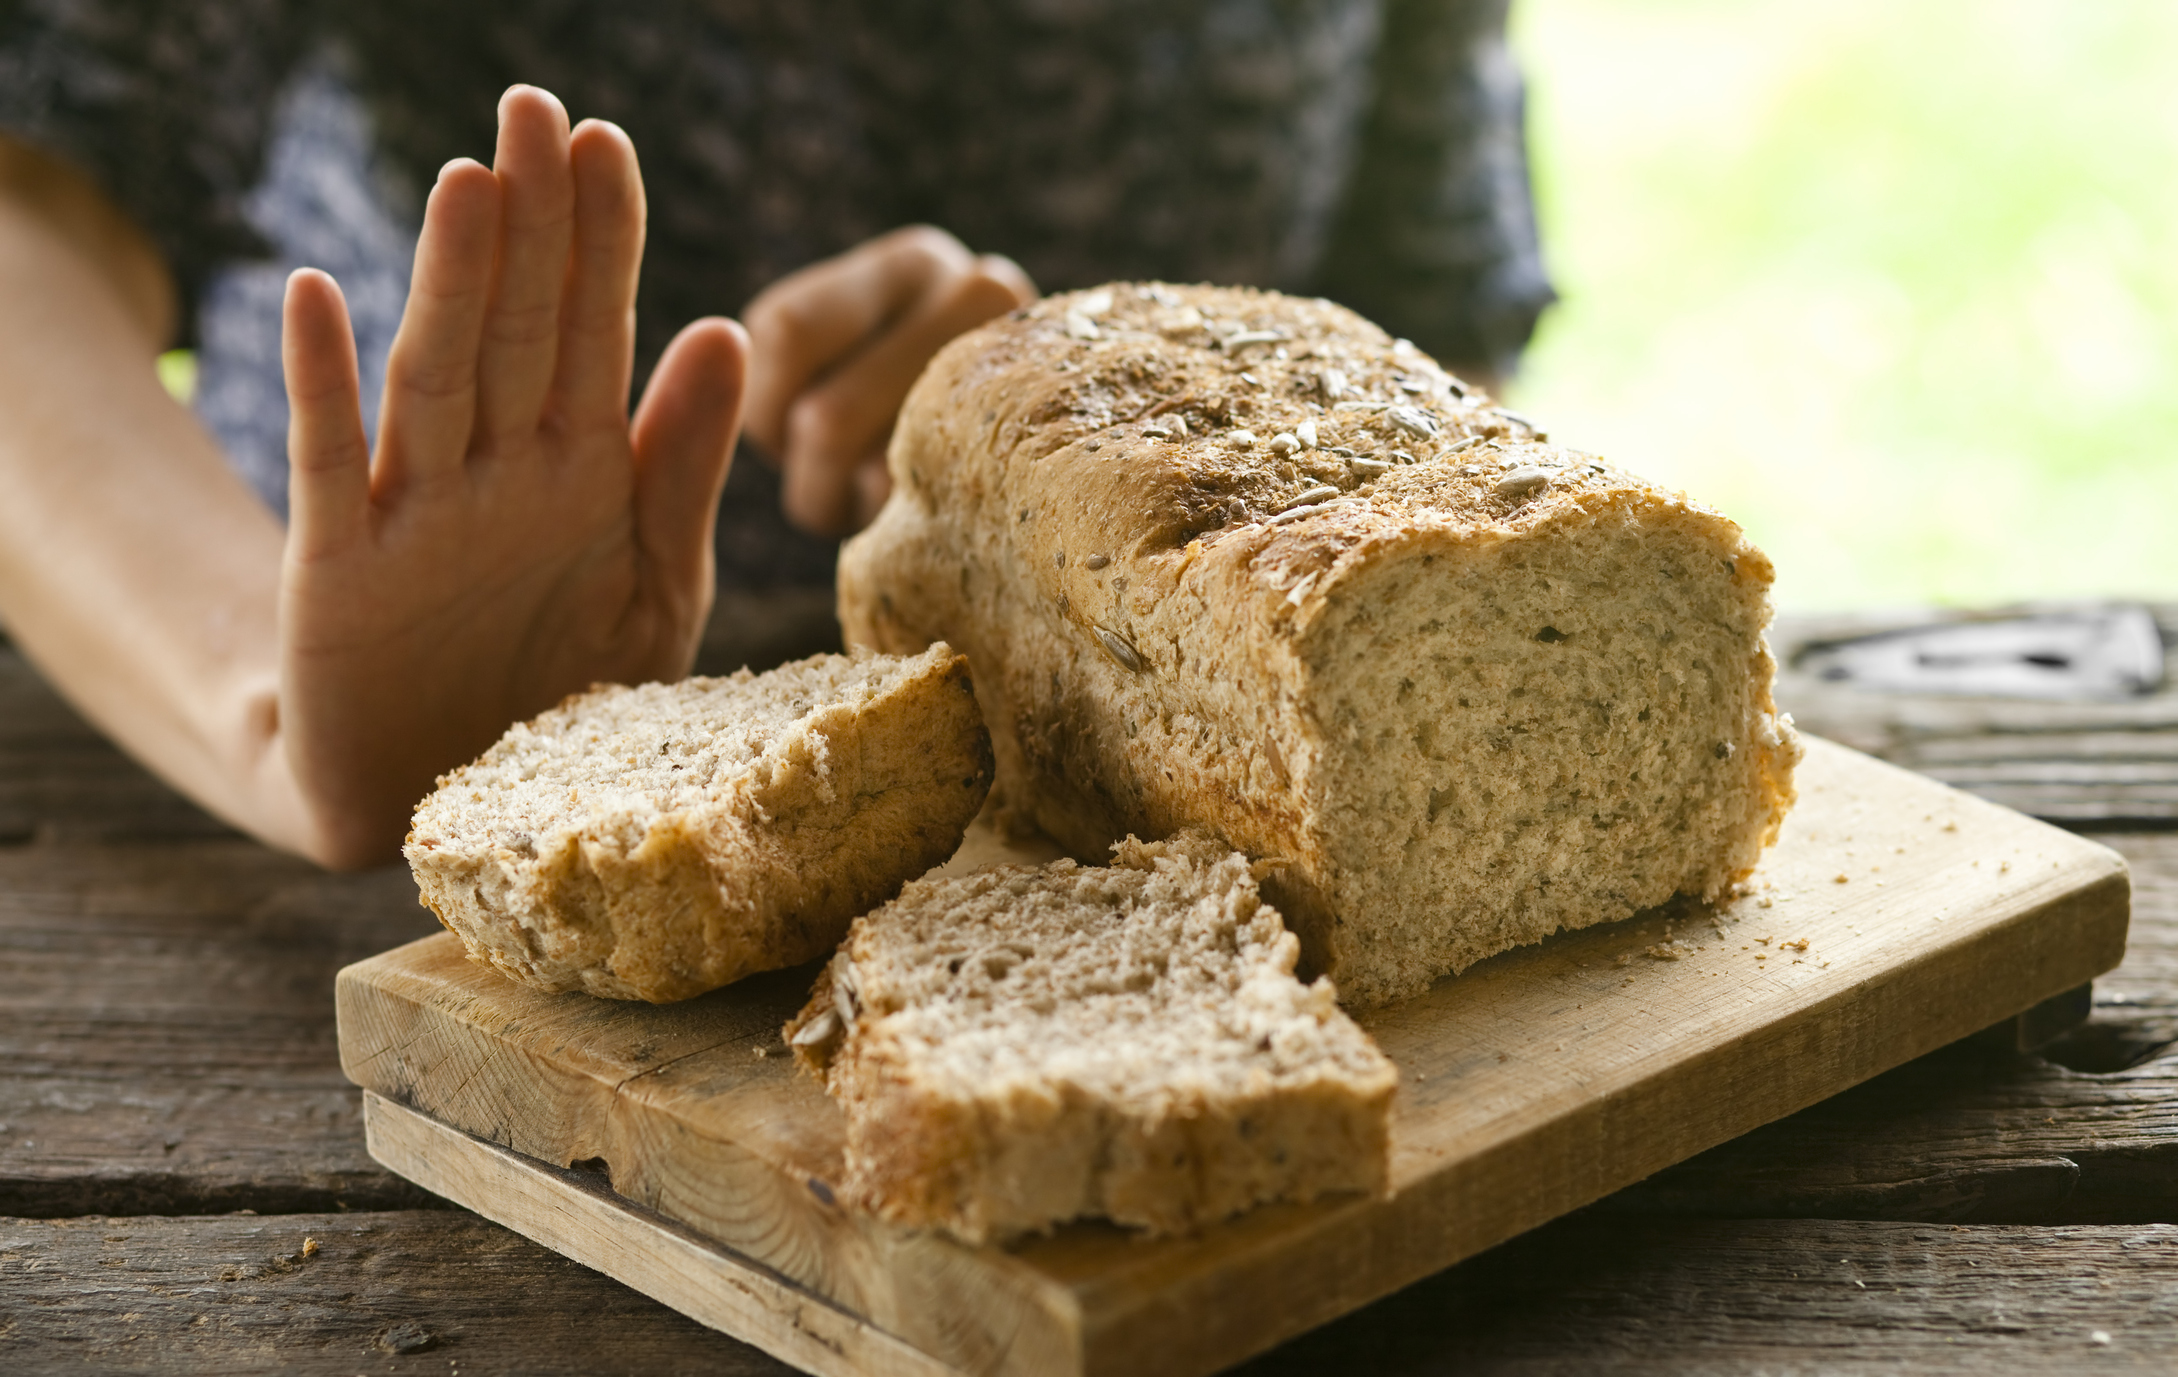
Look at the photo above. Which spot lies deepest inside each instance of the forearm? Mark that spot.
(135, 570)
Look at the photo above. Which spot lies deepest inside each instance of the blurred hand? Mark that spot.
(516, 537)
(834, 349)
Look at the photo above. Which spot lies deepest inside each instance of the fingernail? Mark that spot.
(519, 87)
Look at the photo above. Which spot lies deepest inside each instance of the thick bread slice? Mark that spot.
(656, 842)
(1023, 1046)
(1234, 560)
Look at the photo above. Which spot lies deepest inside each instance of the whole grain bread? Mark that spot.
(1239, 561)
(1024, 1045)
(660, 841)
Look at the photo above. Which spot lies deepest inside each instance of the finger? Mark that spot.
(851, 412)
(807, 322)
(522, 328)
(597, 320)
(430, 407)
(328, 461)
(873, 484)
(684, 439)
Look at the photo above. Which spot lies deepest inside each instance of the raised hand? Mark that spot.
(516, 537)
(836, 348)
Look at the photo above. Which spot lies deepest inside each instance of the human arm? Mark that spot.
(135, 570)
(515, 538)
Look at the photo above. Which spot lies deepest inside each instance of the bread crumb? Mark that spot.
(1839, 878)
(310, 1247)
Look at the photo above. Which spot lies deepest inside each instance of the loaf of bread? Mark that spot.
(657, 842)
(1023, 1046)
(1239, 561)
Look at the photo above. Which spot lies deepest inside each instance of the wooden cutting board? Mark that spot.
(1893, 916)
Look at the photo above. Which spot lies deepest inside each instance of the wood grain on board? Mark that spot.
(1592, 1293)
(578, 1214)
(1893, 917)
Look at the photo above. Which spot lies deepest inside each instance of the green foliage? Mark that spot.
(178, 374)
(1896, 285)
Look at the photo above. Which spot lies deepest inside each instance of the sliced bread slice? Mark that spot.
(660, 841)
(1024, 1046)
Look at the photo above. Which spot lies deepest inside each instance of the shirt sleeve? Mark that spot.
(1435, 239)
(165, 106)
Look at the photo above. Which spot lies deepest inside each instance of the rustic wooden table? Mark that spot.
(185, 1188)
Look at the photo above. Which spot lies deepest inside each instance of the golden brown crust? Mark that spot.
(1154, 626)
(860, 799)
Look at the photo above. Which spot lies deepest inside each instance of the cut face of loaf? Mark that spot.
(657, 842)
(1233, 560)
(1020, 1047)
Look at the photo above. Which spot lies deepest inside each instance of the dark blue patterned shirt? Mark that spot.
(1368, 150)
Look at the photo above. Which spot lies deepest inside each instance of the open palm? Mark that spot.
(515, 537)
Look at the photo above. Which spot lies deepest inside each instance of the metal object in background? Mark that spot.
(2065, 711)
(2093, 653)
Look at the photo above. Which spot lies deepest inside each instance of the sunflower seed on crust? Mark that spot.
(1522, 481)
(1414, 421)
(1309, 498)
(818, 1031)
(1120, 649)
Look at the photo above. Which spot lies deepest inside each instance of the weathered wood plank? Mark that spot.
(2086, 1130)
(429, 1291)
(166, 1029)
(241, 1294)
(1777, 1297)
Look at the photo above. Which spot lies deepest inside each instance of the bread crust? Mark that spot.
(851, 801)
(1191, 1077)
(1160, 615)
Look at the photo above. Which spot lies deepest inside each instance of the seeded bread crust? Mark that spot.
(1024, 1046)
(656, 842)
(1239, 561)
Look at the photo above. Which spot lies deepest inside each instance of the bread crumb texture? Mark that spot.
(660, 841)
(1024, 1046)
(1238, 561)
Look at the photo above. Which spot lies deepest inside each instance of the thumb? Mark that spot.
(684, 436)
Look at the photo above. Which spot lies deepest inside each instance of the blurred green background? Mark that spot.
(1894, 284)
